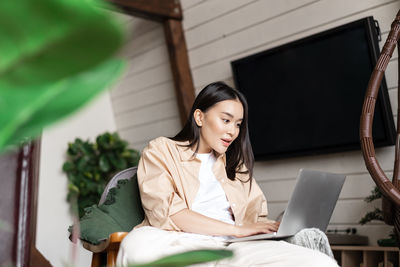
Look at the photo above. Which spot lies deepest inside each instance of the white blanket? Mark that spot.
(147, 243)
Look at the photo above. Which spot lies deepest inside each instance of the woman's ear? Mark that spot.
(198, 117)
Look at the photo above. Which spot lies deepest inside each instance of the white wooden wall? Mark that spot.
(144, 101)
(220, 31)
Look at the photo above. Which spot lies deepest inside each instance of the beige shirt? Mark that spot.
(168, 183)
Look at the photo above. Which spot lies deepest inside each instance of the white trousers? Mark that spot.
(147, 243)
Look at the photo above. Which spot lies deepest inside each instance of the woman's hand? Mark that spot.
(193, 222)
(256, 228)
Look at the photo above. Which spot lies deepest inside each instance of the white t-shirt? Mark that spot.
(211, 199)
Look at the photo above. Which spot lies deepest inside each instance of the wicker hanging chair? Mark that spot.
(390, 190)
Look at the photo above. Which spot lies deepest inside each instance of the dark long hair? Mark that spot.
(239, 153)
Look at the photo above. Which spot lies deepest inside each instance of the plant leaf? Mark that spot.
(104, 163)
(43, 41)
(376, 214)
(68, 166)
(188, 258)
(25, 111)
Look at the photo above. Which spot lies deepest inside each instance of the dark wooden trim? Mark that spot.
(18, 203)
(27, 176)
(34, 160)
(156, 10)
(179, 60)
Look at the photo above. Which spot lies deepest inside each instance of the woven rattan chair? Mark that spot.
(390, 190)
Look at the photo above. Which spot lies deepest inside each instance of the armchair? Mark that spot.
(104, 226)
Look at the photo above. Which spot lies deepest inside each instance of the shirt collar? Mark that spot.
(186, 153)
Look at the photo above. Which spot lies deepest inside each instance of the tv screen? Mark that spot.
(306, 97)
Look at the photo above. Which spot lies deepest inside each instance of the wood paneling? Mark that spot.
(146, 88)
(148, 60)
(198, 15)
(150, 113)
(234, 20)
(141, 43)
(175, 38)
(144, 80)
(310, 17)
(140, 99)
(157, 10)
(269, 35)
(147, 132)
(186, 5)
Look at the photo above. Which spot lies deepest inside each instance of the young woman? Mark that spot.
(197, 190)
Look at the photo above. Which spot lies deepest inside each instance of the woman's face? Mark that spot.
(219, 125)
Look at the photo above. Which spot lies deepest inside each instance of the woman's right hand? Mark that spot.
(256, 228)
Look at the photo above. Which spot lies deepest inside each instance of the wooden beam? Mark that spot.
(169, 12)
(179, 61)
(156, 10)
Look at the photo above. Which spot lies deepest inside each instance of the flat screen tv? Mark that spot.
(306, 97)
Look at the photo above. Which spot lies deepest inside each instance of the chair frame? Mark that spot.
(110, 246)
(389, 189)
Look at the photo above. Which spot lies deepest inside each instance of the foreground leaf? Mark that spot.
(188, 258)
(46, 40)
(24, 111)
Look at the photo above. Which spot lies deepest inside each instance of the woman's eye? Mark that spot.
(238, 125)
(225, 120)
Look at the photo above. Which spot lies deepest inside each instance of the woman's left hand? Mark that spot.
(256, 228)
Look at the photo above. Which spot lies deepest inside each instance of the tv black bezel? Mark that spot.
(383, 97)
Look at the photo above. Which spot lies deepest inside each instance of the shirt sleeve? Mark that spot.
(158, 192)
(257, 204)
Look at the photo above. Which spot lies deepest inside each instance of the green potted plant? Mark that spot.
(377, 214)
(89, 166)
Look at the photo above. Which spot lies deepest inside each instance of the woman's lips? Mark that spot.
(226, 142)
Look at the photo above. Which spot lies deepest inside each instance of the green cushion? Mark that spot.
(121, 211)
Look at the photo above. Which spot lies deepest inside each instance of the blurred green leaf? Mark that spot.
(188, 258)
(54, 58)
(25, 111)
(89, 175)
(73, 188)
(118, 162)
(72, 149)
(82, 163)
(72, 177)
(43, 41)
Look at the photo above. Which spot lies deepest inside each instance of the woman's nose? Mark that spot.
(231, 129)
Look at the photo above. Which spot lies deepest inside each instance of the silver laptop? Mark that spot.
(311, 205)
